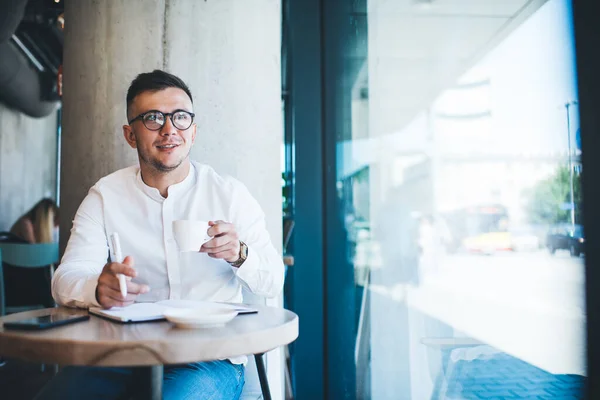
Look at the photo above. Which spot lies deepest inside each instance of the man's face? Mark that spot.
(163, 150)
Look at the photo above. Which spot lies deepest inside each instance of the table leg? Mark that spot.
(148, 382)
(262, 376)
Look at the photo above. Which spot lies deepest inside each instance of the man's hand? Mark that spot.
(225, 244)
(108, 293)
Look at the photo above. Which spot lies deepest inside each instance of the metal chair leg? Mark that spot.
(262, 376)
(149, 382)
(289, 392)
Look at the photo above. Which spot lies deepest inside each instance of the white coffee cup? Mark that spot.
(189, 234)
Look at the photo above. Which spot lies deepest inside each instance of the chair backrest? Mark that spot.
(29, 255)
(25, 256)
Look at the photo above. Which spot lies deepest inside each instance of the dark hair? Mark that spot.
(155, 81)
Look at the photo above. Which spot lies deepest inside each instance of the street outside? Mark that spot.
(519, 305)
(536, 277)
(527, 277)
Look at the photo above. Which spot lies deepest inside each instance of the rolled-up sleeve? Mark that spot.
(262, 272)
(75, 281)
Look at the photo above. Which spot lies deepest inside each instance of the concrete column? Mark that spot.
(106, 44)
(228, 51)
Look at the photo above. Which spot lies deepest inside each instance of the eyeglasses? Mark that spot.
(154, 119)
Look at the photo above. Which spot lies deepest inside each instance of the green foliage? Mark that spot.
(286, 194)
(546, 199)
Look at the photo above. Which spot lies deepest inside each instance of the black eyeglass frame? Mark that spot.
(170, 115)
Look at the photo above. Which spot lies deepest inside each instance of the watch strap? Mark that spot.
(243, 255)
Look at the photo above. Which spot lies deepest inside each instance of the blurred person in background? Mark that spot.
(38, 225)
(27, 286)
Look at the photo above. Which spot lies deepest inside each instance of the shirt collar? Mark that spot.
(175, 189)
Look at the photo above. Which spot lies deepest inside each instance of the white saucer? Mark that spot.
(192, 318)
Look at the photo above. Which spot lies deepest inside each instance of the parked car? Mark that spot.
(566, 237)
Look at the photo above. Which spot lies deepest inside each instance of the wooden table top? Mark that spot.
(101, 342)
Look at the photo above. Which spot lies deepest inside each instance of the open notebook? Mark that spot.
(140, 312)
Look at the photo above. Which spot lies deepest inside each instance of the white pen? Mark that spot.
(118, 257)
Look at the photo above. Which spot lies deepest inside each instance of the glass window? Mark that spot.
(459, 178)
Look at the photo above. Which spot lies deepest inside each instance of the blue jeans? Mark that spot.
(215, 380)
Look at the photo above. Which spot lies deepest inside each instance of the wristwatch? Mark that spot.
(243, 256)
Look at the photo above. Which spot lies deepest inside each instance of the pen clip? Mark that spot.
(111, 249)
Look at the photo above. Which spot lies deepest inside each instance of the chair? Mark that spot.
(288, 261)
(253, 386)
(255, 374)
(444, 345)
(288, 229)
(257, 386)
(41, 255)
(25, 255)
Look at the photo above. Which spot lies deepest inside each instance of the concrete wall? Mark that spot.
(27, 163)
(230, 55)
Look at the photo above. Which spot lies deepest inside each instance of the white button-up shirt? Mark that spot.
(123, 203)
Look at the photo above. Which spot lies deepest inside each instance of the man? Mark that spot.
(140, 203)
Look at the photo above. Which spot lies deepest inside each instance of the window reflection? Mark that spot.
(461, 188)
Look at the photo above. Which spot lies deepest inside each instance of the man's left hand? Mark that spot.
(225, 244)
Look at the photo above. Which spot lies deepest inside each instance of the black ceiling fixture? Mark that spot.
(31, 43)
(41, 33)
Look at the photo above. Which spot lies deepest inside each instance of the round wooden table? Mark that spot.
(100, 342)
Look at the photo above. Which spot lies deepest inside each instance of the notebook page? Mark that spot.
(135, 312)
